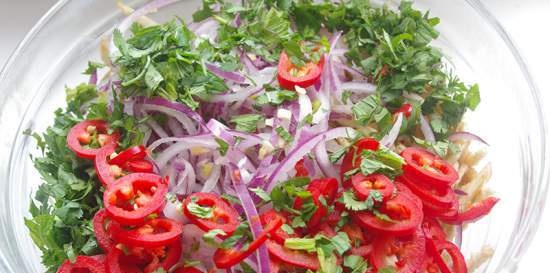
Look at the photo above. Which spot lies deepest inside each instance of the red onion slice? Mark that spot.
(392, 135)
(355, 73)
(287, 164)
(426, 129)
(360, 87)
(467, 136)
(321, 156)
(175, 106)
(252, 217)
(227, 75)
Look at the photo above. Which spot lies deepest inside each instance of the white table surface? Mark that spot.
(527, 21)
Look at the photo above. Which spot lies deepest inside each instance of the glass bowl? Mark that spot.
(509, 117)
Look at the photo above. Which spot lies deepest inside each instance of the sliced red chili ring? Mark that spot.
(143, 260)
(323, 187)
(472, 214)
(139, 166)
(352, 158)
(83, 264)
(153, 233)
(301, 170)
(99, 223)
(134, 197)
(106, 172)
(426, 167)
(435, 247)
(187, 270)
(441, 197)
(433, 229)
(405, 216)
(132, 153)
(81, 135)
(224, 216)
(363, 185)
(410, 251)
(292, 257)
(172, 254)
(279, 235)
(364, 251)
(406, 109)
(289, 76)
(226, 258)
(355, 234)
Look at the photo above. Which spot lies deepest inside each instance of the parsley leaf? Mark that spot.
(247, 123)
(200, 211)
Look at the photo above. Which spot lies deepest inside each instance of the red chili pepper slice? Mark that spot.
(99, 222)
(433, 229)
(106, 172)
(406, 109)
(138, 166)
(440, 197)
(364, 251)
(425, 167)
(132, 153)
(279, 235)
(153, 233)
(355, 234)
(143, 260)
(352, 159)
(187, 270)
(289, 76)
(363, 185)
(83, 264)
(226, 258)
(472, 214)
(405, 216)
(292, 257)
(301, 170)
(225, 217)
(323, 187)
(435, 247)
(134, 197)
(410, 251)
(81, 135)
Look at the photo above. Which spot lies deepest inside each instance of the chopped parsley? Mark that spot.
(247, 123)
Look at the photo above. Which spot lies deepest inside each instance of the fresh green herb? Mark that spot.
(163, 61)
(383, 217)
(242, 231)
(276, 97)
(284, 134)
(247, 123)
(223, 146)
(382, 160)
(210, 237)
(262, 194)
(307, 244)
(93, 67)
(356, 263)
(337, 155)
(387, 269)
(200, 211)
(231, 199)
(352, 203)
(441, 148)
(341, 242)
(287, 229)
(371, 111)
(63, 205)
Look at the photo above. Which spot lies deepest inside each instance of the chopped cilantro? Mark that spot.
(262, 194)
(200, 211)
(247, 123)
(284, 134)
(223, 146)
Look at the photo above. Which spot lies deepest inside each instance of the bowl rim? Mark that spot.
(528, 225)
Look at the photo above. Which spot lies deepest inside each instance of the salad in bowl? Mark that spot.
(263, 136)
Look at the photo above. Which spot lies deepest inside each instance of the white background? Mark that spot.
(527, 21)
